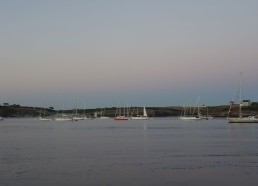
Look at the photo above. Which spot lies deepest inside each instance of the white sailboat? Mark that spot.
(77, 117)
(84, 114)
(103, 116)
(44, 118)
(249, 119)
(240, 118)
(191, 116)
(63, 117)
(207, 116)
(139, 117)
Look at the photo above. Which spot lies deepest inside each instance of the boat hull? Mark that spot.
(190, 118)
(139, 118)
(77, 118)
(44, 119)
(63, 119)
(104, 117)
(243, 120)
(119, 118)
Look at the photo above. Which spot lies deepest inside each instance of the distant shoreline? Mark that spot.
(215, 111)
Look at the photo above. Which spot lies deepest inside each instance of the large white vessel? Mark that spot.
(240, 118)
(249, 119)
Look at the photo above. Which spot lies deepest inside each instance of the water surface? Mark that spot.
(164, 151)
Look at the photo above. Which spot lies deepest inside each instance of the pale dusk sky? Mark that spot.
(161, 52)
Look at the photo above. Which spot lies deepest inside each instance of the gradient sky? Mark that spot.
(161, 52)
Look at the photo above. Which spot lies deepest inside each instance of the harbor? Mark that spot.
(162, 151)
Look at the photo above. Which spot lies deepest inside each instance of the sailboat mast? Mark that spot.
(198, 106)
(240, 96)
(137, 108)
(190, 107)
(119, 109)
(84, 109)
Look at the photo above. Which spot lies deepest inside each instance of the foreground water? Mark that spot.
(106, 152)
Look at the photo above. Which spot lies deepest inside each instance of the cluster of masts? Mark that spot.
(189, 113)
(120, 115)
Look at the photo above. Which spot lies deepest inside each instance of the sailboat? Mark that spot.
(207, 116)
(62, 117)
(120, 116)
(102, 116)
(240, 118)
(84, 114)
(190, 116)
(44, 118)
(143, 117)
(77, 117)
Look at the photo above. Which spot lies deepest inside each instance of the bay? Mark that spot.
(162, 151)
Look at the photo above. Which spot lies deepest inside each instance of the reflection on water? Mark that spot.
(106, 152)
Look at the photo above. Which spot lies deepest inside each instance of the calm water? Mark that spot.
(106, 152)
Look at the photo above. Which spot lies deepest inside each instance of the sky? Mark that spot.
(100, 53)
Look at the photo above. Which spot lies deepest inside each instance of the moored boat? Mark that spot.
(104, 117)
(190, 115)
(139, 117)
(77, 118)
(249, 119)
(190, 118)
(44, 118)
(63, 117)
(240, 118)
(121, 118)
